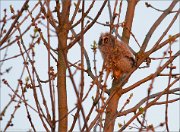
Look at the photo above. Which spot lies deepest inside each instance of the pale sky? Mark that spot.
(143, 20)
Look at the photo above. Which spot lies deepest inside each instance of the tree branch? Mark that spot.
(156, 24)
(129, 20)
(13, 24)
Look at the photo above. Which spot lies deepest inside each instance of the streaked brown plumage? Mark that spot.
(117, 56)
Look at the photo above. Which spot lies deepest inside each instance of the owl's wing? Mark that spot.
(131, 60)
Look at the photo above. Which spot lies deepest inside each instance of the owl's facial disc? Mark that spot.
(105, 40)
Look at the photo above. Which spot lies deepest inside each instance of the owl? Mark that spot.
(118, 58)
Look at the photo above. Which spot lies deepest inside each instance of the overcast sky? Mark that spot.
(143, 20)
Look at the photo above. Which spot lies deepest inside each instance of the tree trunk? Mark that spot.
(61, 86)
(62, 34)
(111, 112)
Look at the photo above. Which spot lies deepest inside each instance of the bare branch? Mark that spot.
(13, 24)
(156, 24)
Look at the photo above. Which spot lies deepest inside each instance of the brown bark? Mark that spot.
(62, 33)
(111, 111)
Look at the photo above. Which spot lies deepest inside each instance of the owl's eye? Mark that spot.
(106, 40)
